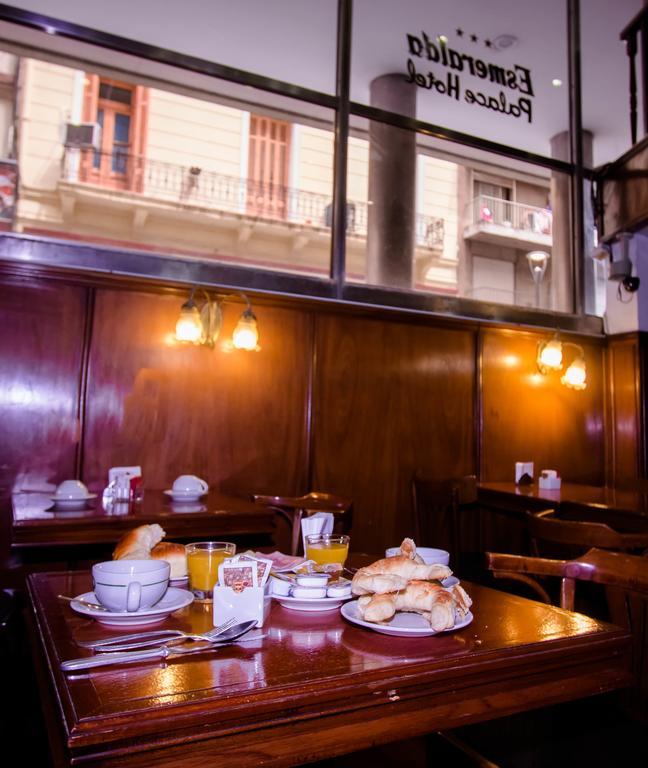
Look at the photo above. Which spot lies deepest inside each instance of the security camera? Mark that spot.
(631, 284)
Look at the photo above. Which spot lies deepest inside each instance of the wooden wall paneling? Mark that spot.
(624, 433)
(389, 398)
(41, 348)
(238, 419)
(530, 417)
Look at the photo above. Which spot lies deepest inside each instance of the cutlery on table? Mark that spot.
(223, 633)
(162, 651)
(87, 603)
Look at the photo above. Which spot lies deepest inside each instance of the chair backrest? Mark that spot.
(436, 504)
(580, 535)
(612, 569)
(293, 509)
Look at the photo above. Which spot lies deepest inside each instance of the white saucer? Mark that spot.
(184, 496)
(310, 604)
(68, 503)
(173, 600)
(402, 625)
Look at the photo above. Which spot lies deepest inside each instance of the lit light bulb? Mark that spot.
(189, 326)
(246, 333)
(575, 377)
(550, 356)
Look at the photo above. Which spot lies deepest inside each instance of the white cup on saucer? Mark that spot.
(188, 488)
(72, 494)
(130, 585)
(430, 555)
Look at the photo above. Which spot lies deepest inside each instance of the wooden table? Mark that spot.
(624, 510)
(314, 686)
(36, 524)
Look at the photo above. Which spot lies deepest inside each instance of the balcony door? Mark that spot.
(269, 154)
(120, 110)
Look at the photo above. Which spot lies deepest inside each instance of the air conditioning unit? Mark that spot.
(82, 135)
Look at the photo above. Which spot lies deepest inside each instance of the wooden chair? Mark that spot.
(439, 506)
(547, 527)
(294, 508)
(599, 566)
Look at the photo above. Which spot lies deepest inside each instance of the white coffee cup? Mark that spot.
(71, 490)
(186, 485)
(429, 555)
(130, 585)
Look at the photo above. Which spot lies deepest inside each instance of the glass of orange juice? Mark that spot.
(327, 548)
(203, 559)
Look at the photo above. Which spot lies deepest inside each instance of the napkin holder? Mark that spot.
(250, 603)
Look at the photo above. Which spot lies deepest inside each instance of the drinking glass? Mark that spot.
(327, 548)
(203, 559)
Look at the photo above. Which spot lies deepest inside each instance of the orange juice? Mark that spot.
(203, 560)
(326, 552)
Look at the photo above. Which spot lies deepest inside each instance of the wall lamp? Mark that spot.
(200, 322)
(550, 358)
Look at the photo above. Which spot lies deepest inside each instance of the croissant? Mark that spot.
(462, 600)
(408, 548)
(379, 583)
(401, 565)
(138, 543)
(435, 603)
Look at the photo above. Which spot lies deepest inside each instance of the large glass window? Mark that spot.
(495, 70)
(143, 167)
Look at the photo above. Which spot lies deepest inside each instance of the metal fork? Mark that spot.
(142, 639)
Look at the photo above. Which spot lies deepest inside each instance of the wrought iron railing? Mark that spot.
(194, 186)
(516, 216)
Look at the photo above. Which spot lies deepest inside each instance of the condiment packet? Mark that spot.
(232, 573)
(263, 566)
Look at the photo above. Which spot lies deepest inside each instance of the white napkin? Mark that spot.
(320, 522)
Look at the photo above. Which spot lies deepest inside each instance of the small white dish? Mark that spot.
(69, 503)
(184, 496)
(173, 600)
(310, 604)
(402, 625)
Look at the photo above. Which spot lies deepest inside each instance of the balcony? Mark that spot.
(152, 188)
(504, 223)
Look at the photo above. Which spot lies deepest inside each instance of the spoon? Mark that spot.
(87, 603)
(162, 651)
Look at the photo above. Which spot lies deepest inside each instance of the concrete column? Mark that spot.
(392, 184)
(561, 267)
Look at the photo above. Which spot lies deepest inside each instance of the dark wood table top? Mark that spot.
(610, 502)
(37, 523)
(314, 685)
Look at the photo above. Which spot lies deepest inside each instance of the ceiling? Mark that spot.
(294, 41)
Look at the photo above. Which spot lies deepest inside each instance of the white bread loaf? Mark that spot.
(174, 554)
(138, 543)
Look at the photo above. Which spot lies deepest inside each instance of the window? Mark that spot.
(268, 168)
(120, 111)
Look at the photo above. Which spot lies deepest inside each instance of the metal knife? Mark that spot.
(126, 657)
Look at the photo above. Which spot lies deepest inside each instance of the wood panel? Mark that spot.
(41, 351)
(624, 408)
(389, 398)
(238, 419)
(530, 417)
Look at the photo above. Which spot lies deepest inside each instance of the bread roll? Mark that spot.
(174, 554)
(138, 543)
(377, 608)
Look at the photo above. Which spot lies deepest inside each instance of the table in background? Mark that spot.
(313, 687)
(34, 524)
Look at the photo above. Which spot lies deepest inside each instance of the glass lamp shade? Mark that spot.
(575, 377)
(189, 326)
(246, 333)
(550, 356)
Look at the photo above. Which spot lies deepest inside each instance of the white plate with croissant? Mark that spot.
(402, 624)
(403, 595)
